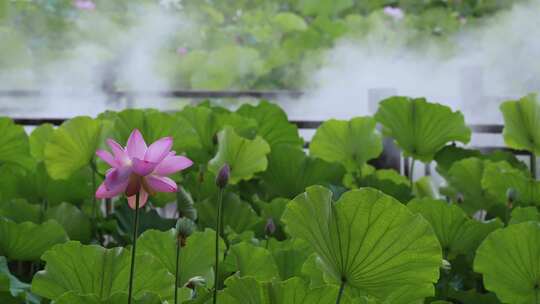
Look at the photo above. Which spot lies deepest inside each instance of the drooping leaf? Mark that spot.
(457, 233)
(273, 124)
(508, 260)
(19, 210)
(76, 224)
(421, 128)
(289, 256)
(14, 146)
(293, 291)
(72, 146)
(290, 171)
(351, 143)
(368, 239)
(95, 271)
(423, 187)
(245, 157)
(147, 220)
(500, 177)
(253, 261)
(28, 241)
(524, 214)
(196, 257)
(521, 123)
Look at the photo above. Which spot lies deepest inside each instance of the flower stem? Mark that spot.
(411, 172)
(178, 246)
(218, 234)
(533, 165)
(94, 200)
(340, 293)
(135, 233)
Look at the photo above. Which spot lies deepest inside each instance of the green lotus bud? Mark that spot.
(185, 204)
(184, 228)
(222, 179)
(511, 195)
(270, 227)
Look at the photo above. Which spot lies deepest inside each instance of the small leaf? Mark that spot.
(521, 123)
(350, 143)
(421, 128)
(368, 239)
(38, 138)
(72, 146)
(28, 241)
(290, 22)
(237, 214)
(245, 157)
(508, 260)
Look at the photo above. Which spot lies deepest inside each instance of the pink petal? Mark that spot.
(119, 153)
(143, 167)
(143, 197)
(117, 176)
(107, 157)
(159, 150)
(172, 164)
(136, 147)
(160, 183)
(103, 192)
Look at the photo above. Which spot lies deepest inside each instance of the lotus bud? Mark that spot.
(184, 228)
(270, 227)
(511, 195)
(222, 179)
(460, 198)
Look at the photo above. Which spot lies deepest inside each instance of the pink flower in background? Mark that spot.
(140, 169)
(85, 5)
(182, 51)
(394, 12)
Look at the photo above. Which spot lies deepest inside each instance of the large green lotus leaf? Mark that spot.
(14, 146)
(499, 177)
(290, 171)
(28, 241)
(38, 138)
(465, 177)
(72, 146)
(12, 290)
(119, 297)
(273, 124)
(94, 270)
(196, 258)
(76, 224)
(390, 182)
(19, 210)
(509, 259)
(457, 233)
(245, 157)
(421, 128)
(351, 143)
(368, 239)
(521, 123)
(524, 214)
(253, 261)
(292, 291)
(237, 214)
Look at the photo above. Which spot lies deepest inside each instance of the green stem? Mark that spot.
(411, 171)
(533, 165)
(218, 234)
(94, 200)
(340, 293)
(178, 246)
(507, 215)
(135, 228)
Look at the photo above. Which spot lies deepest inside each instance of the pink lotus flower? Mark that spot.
(140, 169)
(394, 12)
(85, 5)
